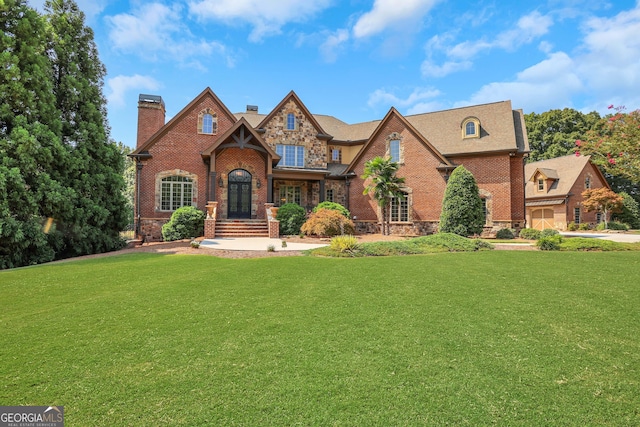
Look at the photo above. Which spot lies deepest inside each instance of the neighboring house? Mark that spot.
(237, 166)
(554, 191)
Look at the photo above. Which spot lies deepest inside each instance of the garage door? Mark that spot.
(542, 218)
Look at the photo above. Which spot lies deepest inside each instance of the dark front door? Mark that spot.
(239, 194)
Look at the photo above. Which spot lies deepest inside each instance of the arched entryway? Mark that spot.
(542, 218)
(239, 196)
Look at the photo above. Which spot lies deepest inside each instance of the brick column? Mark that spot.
(210, 220)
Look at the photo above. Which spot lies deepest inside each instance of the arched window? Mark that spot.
(207, 122)
(470, 128)
(176, 191)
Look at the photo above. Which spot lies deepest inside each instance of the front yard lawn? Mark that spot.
(479, 338)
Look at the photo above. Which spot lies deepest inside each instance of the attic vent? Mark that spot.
(151, 99)
(252, 109)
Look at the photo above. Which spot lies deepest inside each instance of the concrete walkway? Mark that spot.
(255, 244)
(616, 237)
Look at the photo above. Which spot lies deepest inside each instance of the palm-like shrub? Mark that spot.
(327, 222)
(186, 222)
(291, 217)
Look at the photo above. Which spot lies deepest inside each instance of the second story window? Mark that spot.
(291, 121)
(394, 150)
(587, 183)
(336, 155)
(540, 184)
(290, 155)
(207, 122)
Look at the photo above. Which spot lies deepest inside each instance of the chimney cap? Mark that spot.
(252, 108)
(151, 99)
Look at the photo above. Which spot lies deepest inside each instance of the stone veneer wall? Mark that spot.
(305, 134)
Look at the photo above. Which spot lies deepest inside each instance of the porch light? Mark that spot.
(258, 183)
(220, 182)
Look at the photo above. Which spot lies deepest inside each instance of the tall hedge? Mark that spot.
(462, 207)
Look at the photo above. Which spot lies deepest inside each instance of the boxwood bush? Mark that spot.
(291, 217)
(548, 232)
(504, 233)
(529, 234)
(333, 206)
(549, 243)
(186, 222)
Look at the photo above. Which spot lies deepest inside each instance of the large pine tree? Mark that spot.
(32, 159)
(96, 167)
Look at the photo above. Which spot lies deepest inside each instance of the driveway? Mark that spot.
(616, 237)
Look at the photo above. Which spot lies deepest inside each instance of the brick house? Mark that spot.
(554, 191)
(238, 166)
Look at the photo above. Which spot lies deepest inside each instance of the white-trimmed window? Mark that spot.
(540, 184)
(291, 121)
(289, 194)
(471, 128)
(399, 209)
(175, 192)
(290, 155)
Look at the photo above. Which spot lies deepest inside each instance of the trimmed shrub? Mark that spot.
(291, 217)
(549, 243)
(530, 234)
(327, 222)
(585, 244)
(344, 244)
(584, 226)
(504, 233)
(572, 226)
(461, 206)
(186, 222)
(612, 225)
(548, 232)
(334, 207)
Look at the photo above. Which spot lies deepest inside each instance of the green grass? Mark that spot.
(480, 338)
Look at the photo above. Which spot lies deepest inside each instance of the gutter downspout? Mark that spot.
(138, 171)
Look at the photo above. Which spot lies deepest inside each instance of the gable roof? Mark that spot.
(566, 168)
(291, 96)
(244, 126)
(176, 119)
(394, 113)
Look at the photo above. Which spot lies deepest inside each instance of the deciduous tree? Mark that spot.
(603, 200)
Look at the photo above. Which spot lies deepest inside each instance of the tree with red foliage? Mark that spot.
(603, 200)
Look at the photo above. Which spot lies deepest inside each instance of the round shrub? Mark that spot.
(572, 226)
(504, 233)
(333, 206)
(547, 232)
(529, 234)
(291, 217)
(186, 222)
(327, 222)
(549, 243)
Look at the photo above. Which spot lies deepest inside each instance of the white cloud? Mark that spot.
(458, 57)
(391, 14)
(266, 16)
(119, 86)
(387, 99)
(429, 69)
(155, 31)
(333, 44)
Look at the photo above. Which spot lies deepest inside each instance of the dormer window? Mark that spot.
(471, 128)
(291, 121)
(207, 122)
(540, 184)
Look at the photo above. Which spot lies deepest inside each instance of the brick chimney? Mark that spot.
(151, 115)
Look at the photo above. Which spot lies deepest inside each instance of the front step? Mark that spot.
(242, 228)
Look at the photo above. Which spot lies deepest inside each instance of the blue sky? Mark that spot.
(354, 59)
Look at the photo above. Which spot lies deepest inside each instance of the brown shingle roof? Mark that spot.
(567, 170)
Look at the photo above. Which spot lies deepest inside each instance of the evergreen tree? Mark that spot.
(32, 187)
(96, 168)
(462, 207)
